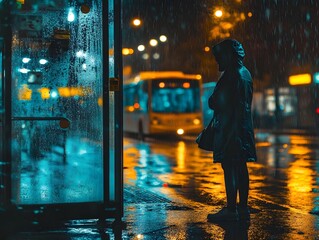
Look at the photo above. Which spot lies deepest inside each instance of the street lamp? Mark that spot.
(163, 38)
(26, 60)
(141, 48)
(156, 56)
(136, 22)
(153, 42)
(127, 51)
(145, 56)
(150, 52)
(71, 15)
(218, 13)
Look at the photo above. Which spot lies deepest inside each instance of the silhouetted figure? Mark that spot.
(234, 143)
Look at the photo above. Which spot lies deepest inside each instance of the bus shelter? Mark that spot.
(61, 109)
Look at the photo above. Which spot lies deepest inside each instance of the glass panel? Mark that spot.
(2, 181)
(56, 72)
(111, 104)
(1, 73)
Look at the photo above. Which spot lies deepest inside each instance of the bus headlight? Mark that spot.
(155, 121)
(196, 121)
(180, 131)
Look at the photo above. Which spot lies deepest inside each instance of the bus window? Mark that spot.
(129, 97)
(175, 96)
(143, 96)
(136, 98)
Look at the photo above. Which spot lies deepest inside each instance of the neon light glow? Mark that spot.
(300, 79)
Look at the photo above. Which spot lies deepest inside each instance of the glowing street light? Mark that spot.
(137, 22)
(43, 61)
(141, 48)
(153, 42)
(145, 56)
(23, 70)
(71, 15)
(26, 60)
(218, 13)
(163, 38)
(80, 54)
(127, 51)
(156, 56)
(54, 94)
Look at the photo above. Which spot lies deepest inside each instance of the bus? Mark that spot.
(207, 90)
(162, 102)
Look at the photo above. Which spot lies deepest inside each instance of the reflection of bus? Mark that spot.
(207, 90)
(162, 103)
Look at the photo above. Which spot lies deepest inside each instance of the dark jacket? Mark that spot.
(231, 101)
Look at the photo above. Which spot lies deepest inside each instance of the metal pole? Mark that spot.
(105, 111)
(7, 101)
(118, 109)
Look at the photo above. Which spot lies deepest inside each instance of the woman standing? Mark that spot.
(234, 143)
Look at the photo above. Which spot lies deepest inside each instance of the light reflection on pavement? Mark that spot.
(170, 186)
(283, 183)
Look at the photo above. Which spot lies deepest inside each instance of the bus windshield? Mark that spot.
(175, 96)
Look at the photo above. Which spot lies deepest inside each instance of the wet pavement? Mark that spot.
(171, 186)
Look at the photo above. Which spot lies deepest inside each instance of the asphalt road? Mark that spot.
(284, 185)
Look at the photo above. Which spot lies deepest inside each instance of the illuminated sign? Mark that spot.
(300, 79)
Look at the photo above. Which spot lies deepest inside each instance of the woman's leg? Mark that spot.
(230, 184)
(230, 212)
(243, 183)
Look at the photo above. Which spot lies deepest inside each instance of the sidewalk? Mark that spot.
(168, 211)
(149, 215)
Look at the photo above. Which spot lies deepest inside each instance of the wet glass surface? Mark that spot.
(56, 72)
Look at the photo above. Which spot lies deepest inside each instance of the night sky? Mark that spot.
(278, 36)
